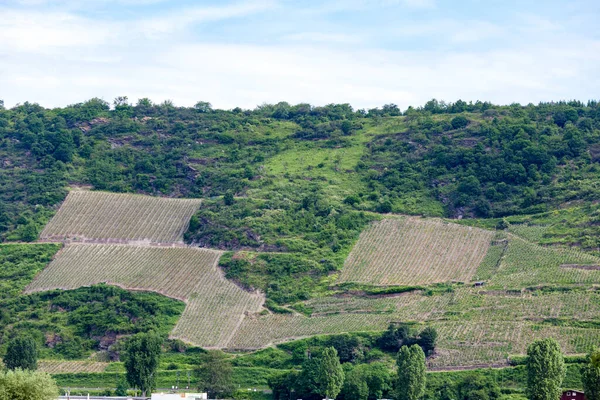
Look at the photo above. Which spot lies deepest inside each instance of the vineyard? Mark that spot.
(70, 367)
(215, 306)
(476, 327)
(416, 251)
(101, 216)
(525, 264)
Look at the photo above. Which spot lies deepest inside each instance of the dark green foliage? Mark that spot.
(411, 373)
(349, 347)
(545, 370)
(427, 340)
(478, 387)
(20, 263)
(355, 385)
(321, 377)
(283, 384)
(21, 353)
(590, 377)
(70, 324)
(228, 199)
(214, 374)
(366, 381)
(330, 376)
(141, 360)
(459, 122)
(398, 335)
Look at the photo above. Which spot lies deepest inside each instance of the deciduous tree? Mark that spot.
(27, 385)
(411, 373)
(141, 360)
(545, 370)
(214, 374)
(21, 353)
(590, 376)
(330, 375)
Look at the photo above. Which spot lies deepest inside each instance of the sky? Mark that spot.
(245, 53)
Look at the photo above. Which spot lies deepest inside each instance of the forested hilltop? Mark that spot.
(457, 159)
(306, 180)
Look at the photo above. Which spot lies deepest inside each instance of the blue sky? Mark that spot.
(249, 52)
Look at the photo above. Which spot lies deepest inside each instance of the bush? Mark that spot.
(459, 122)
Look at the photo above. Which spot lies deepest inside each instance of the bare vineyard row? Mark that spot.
(87, 215)
(173, 272)
(416, 251)
(70, 367)
(214, 308)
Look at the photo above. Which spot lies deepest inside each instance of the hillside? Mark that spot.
(244, 229)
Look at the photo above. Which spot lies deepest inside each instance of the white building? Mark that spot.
(179, 396)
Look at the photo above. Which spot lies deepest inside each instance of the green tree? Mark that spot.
(330, 375)
(411, 373)
(203, 106)
(478, 387)
(21, 353)
(283, 384)
(141, 360)
(121, 389)
(214, 374)
(459, 122)
(346, 127)
(427, 340)
(355, 385)
(29, 232)
(590, 376)
(307, 384)
(379, 379)
(545, 370)
(27, 385)
(228, 199)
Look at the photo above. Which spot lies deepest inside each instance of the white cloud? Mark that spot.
(244, 75)
(58, 58)
(322, 37)
(183, 18)
(40, 32)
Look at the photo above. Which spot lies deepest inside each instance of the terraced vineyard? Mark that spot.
(416, 251)
(70, 367)
(215, 306)
(526, 264)
(483, 325)
(102, 216)
(476, 327)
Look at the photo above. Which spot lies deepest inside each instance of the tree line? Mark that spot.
(321, 375)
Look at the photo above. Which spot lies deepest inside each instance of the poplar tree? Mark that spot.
(411, 373)
(545, 370)
(330, 374)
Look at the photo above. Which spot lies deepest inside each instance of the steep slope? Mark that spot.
(415, 251)
(214, 306)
